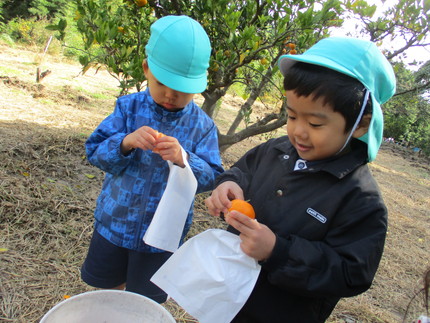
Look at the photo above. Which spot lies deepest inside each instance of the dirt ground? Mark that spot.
(48, 192)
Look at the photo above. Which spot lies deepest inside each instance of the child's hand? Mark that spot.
(147, 138)
(220, 199)
(257, 239)
(169, 149)
(143, 138)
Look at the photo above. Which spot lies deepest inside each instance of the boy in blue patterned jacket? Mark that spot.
(127, 147)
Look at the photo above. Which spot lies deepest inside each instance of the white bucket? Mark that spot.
(108, 306)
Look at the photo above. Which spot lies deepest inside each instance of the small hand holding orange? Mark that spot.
(143, 138)
(158, 136)
(257, 240)
(168, 148)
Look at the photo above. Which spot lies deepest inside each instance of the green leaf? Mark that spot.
(62, 24)
(83, 59)
(52, 27)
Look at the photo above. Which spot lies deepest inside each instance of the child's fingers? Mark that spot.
(164, 139)
(227, 192)
(241, 222)
(167, 142)
(212, 208)
(214, 204)
(235, 192)
(148, 132)
(143, 138)
(222, 201)
(169, 149)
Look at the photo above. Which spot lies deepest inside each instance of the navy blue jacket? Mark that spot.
(330, 223)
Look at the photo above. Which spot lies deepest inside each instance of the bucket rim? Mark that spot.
(105, 291)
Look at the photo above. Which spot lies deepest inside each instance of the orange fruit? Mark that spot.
(293, 52)
(243, 207)
(159, 135)
(141, 3)
(292, 45)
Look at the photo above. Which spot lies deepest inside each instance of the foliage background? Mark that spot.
(247, 39)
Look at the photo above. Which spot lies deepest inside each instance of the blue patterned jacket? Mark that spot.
(134, 184)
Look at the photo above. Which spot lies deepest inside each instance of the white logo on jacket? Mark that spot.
(316, 215)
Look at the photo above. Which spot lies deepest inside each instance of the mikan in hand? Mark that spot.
(159, 135)
(243, 207)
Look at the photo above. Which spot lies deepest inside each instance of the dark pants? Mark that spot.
(108, 266)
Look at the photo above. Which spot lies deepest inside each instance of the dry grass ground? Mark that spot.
(48, 192)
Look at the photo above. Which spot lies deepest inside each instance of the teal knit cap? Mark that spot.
(362, 60)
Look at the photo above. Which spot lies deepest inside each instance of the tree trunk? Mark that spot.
(211, 98)
(269, 123)
(247, 106)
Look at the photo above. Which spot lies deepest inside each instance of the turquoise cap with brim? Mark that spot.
(362, 60)
(178, 53)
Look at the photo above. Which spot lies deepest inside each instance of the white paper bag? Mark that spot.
(209, 276)
(168, 223)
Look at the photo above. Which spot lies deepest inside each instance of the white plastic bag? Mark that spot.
(209, 276)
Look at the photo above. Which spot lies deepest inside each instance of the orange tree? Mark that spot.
(114, 35)
(247, 38)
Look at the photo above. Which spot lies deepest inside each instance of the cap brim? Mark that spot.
(286, 61)
(178, 82)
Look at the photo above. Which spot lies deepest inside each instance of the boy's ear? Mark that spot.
(363, 126)
(145, 66)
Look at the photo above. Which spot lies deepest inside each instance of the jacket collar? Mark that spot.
(338, 166)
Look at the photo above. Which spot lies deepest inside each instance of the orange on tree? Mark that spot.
(77, 15)
(141, 3)
(243, 207)
(293, 52)
(292, 45)
(264, 61)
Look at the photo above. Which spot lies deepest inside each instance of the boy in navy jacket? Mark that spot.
(320, 221)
